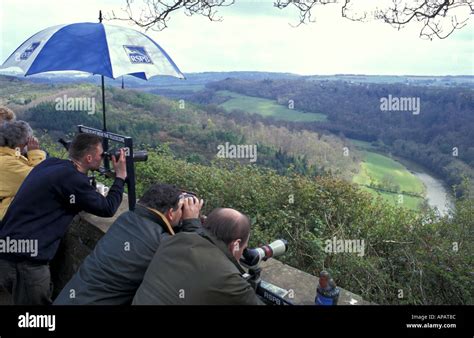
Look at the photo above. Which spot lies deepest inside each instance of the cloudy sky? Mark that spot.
(256, 36)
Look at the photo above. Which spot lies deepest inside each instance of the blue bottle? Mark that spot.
(327, 293)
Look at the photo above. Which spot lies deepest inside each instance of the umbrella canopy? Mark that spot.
(95, 48)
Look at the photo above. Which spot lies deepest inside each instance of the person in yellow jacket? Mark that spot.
(15, 136)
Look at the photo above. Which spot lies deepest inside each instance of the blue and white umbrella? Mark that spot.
(95, 48)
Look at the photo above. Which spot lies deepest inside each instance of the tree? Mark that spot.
(154, 14)
(439, 18)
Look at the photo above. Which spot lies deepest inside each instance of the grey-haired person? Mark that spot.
(6, 115)
(15, 137)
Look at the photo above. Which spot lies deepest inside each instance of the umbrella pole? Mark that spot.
(105, 142)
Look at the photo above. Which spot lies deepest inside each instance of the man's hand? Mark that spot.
(191, 207)
(32, 143)
(120, 165)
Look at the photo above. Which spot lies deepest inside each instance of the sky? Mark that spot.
(255, 36)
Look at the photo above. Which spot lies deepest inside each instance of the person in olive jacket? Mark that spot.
(112, 273)
(201, 268)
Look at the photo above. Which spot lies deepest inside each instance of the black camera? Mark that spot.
(138, 156)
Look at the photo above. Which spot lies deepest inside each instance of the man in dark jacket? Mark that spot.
(201, 268)
(112, 273)
(51, 195)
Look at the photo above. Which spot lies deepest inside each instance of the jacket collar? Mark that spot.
(222, 247)
(11, 152)
(154, 216)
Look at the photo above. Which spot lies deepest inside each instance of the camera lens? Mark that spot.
(140, 156)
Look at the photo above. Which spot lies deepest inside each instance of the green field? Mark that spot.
(363, 145)
(267, 108)
(375, 168)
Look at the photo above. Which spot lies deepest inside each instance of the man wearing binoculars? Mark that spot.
(112, 273)
(201, 268)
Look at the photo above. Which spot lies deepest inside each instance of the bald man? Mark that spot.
(201, 268)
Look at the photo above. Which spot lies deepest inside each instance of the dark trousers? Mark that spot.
(29, 283)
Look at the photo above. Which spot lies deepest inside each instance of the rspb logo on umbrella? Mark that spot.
(26, 54)
(137, 54)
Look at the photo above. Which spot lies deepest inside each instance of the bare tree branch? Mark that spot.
(438, 18)
(154, 14)
(304, 8)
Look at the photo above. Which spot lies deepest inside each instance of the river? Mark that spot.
(436, 193)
